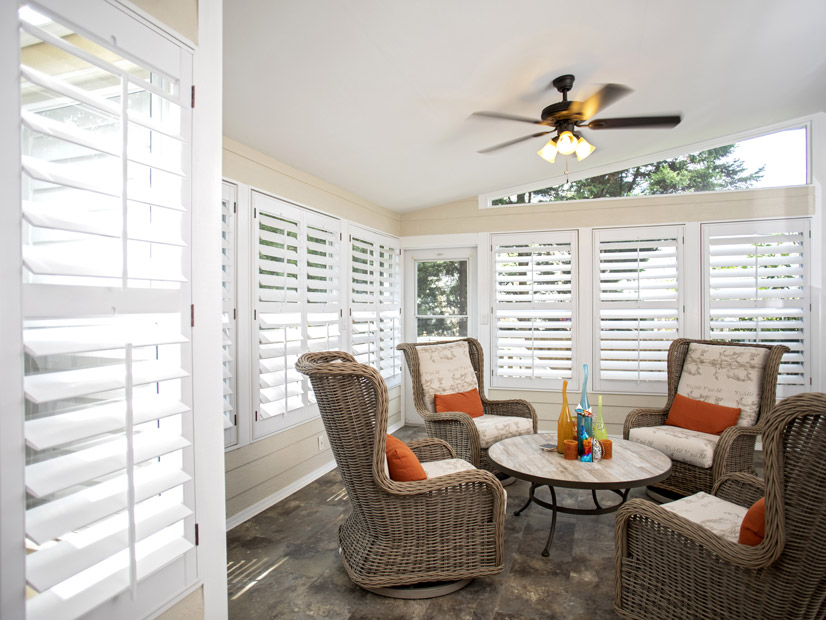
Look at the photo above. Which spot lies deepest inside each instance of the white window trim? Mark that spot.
(618, 234)
(573, 237)
(762, 226)
(246, 287)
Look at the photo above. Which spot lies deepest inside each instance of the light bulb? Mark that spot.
(566, 143)
(548, 152)
(583, 149)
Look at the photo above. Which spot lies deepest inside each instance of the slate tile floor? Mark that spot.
(284, 563)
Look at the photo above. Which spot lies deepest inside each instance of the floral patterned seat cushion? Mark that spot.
(724, 375)
(434, 469)
(679, 444)
(715, 514)
(445, 369)
(493, 428)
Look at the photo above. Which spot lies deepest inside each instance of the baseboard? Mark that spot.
(260, 506)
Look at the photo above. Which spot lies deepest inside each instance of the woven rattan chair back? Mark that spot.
(794, 441)
(352, 400)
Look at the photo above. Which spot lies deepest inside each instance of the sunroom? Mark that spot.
(203, 192)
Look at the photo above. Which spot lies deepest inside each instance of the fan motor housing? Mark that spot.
(559, 110)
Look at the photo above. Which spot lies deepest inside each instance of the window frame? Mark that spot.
(147, 45)
(484, 201)
(569, 237)
(757, 227)
(632, 234)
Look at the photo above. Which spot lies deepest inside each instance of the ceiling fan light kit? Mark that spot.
(565, 116)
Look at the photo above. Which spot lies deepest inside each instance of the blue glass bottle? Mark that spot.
(584, 420)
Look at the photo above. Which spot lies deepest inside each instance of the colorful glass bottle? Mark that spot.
(565, 425)
(599, 424)
(584, 419)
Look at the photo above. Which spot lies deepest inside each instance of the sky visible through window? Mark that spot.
(783, 153)
(773, 160)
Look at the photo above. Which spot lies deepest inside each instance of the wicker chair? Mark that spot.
(671, 568)
(457, 428)
(734, 452)
(446, 528)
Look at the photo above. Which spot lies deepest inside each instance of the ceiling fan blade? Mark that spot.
(509, 117)
(515, 141)
(604, 97)
(635, 121)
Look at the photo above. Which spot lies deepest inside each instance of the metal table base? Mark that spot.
(555, 508)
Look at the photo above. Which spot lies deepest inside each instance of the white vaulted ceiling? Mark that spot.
(374, 95)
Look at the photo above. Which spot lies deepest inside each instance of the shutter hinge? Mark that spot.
(254, 213)
(235, 207)
(255, 315)
(341, 313)
(351, 312)
(810, 381)
(192, 315)
(234, 314)
(193, 96)
(351, 237)
(197, 536)
(235, 420)
(256, 416)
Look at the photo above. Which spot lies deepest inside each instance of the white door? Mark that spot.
(440, 302)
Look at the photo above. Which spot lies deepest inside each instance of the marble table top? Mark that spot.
(632, 464)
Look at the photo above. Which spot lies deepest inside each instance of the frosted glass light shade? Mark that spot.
(583, 149)
(548, 152)
(566, 143)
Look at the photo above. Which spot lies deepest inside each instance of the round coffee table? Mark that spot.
(632, 465)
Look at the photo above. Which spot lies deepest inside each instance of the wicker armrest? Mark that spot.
(740, 488)
(735, 450)
(662, 533)
(513, 407)
(643, 417)
(468, 477)
(431, 449)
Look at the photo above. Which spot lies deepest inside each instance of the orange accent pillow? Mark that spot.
(401, 462)
(697, 415)
(753, 528)
(467, 402)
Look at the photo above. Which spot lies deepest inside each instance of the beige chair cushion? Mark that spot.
(728, 376)
(445, 369)
(679, 444)
(434, 469)
(493, 428)
(715, 514)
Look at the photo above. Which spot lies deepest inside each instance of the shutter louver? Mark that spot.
(638, 305)
(298, 306)
(534, 308)
(105, 175)
(375, 285)
(228, 313)
(757, 287)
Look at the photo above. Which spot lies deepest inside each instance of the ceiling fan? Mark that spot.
(566, 117)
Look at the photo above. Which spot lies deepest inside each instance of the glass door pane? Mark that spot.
(441, 299)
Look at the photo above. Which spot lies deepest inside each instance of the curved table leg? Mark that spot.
(530, 499)
(547, 550)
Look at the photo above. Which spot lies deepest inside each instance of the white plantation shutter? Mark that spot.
(375, 302)
(756, 284)
(297, 305)
(106, 195)
(229, 314)
(638, 305)
(534, 308)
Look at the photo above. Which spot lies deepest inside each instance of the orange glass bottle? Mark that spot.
(565, 425)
